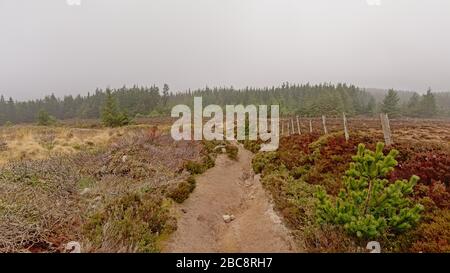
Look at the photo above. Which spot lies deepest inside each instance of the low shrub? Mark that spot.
(433, 235)
(327, 239)
(232, 151)
(210, 146)
(429, 166)
(208, 162)
(194, 167)
(131, 223)
(252, 145)
(264, 161)
(38, 204)
(182, 191)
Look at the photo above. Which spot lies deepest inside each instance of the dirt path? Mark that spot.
(229, 188)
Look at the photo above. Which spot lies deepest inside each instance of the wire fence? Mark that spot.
(347, 125)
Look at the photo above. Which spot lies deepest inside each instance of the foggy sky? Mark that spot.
(49, 46)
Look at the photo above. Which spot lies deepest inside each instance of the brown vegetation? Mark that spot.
(112, 196)
(304, 161)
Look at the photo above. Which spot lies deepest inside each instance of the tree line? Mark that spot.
(424, 106)
(118, 106)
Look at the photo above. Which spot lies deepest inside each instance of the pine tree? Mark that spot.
(3, 114)
(111, 116)
(413, 106)
(369, 205)
(11, 111)
(390, 103)
(370, 108)
(428, 107)
(165, 94)
(44, 118)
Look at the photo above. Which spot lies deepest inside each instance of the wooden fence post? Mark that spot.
(386, 129)
(288, 129)
(345, 128)
(388, 125)
(310, 126)
(298, 127)
(324, 122)
(292, 126)
(282, 127)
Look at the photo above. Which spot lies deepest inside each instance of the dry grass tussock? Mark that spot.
(23, 142)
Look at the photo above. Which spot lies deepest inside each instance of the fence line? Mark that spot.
(343, 121)
(287, 125)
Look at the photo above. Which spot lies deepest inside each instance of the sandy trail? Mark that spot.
(229, 188)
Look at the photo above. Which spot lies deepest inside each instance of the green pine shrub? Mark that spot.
(369, 205)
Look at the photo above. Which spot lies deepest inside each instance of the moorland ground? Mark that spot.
(117, 190)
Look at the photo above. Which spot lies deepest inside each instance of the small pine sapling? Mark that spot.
(369, 205)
